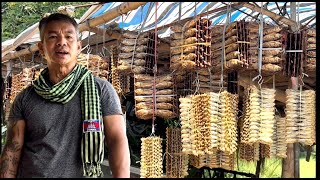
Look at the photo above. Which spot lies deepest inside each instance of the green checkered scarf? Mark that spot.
(92, 143)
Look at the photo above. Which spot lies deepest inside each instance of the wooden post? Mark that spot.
(290, 166)
(295, 85)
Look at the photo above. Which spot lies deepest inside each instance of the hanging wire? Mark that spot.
(260, 80)
(223, 44)
(180, 6)
(298, 19)
(103, 41)
(155, 70)
(141, 28)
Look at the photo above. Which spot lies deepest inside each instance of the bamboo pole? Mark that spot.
(107, 16)
(273, 15)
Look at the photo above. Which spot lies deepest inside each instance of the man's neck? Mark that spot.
(58, 73)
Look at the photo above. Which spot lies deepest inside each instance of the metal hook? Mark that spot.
(258, 76)
(260, 81)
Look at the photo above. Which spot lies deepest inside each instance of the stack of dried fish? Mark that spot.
(143, 89)
(37, 73)
(272, 59)
(176, 161)
(115, 77)
(186, 122)
(205, 81)
(258, 119)
(216, 47)
(229, 122)
(201, 127)
(176, 49)
(190, 45)
(253, 115)
(83, 59)
(133, 52)
(267, 115)
(249, 152)
(218, 159)
(300, 116)
(310, 50)
(265, 151)
(279, 147)
(151, 157)
(253, 39)
(236, 45)
(21, 81)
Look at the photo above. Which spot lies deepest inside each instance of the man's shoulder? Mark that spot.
(103, 84)
(101, 81)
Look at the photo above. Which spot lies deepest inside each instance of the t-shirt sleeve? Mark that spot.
(16, 112)
(110, 102)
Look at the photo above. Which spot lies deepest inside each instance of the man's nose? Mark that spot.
(62, 41)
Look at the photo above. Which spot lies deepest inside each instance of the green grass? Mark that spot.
(308, 169)
(273, 167)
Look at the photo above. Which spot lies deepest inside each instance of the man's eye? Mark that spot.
(51, 37)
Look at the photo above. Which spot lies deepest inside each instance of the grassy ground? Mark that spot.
(273, 168)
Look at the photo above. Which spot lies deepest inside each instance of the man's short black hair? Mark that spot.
(57, 17)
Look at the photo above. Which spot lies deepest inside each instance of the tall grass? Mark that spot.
(273, 167)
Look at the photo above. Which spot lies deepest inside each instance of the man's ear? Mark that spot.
(40, 47)
(79, 46)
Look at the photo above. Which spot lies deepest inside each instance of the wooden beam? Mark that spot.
(272, 15)
(111, 14)
(107, 16)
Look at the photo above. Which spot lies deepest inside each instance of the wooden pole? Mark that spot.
(290, 166)
(107, 16)
(273, 15)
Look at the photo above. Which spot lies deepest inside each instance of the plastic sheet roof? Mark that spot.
(168, 12)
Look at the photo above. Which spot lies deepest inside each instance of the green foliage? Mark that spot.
(18, 16)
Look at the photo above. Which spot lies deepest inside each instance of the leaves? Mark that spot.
(18, 16)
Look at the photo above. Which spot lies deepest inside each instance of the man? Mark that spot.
(56, 126)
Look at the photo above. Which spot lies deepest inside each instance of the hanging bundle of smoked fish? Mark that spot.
(151, 157)
(309, 41)
(176, 161)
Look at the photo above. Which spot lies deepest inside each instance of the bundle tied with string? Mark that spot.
(249, 151)
(176, 161)
(236, 45)
(165, 96)
(300, 116)
(209, 127)
(190, 45)
(115, 75)
(216, 47)
(272, 54)
(132, 54)
(205, 80)
(309, 43)
(186, 122)
(20, 81)
(151, 157)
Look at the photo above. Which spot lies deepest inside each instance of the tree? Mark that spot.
(18, 16)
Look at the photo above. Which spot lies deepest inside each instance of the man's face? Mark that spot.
(60, 45)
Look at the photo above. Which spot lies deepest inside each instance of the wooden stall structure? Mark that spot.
(180, 77)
